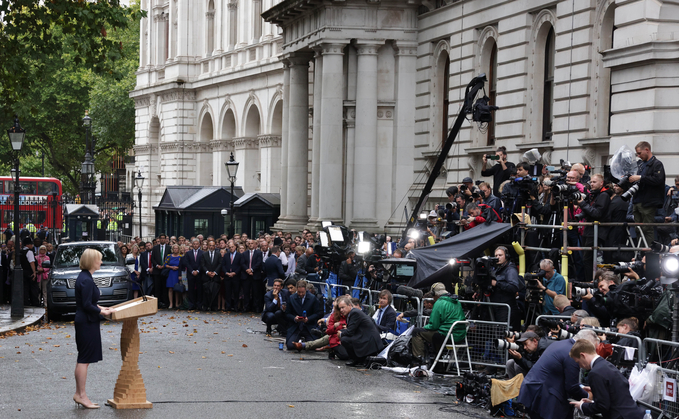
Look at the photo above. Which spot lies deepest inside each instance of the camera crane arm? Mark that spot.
(472, 89)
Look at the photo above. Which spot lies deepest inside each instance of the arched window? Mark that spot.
(441, 96)
(548, 89)
(605, 42)
(492, 90)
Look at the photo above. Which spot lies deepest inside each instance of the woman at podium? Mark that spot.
(87, 331)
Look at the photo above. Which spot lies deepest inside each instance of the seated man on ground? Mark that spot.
(301, 313)
(360, 338)
(334, 323)
(446, 311)
(385, 315)
(274, 308)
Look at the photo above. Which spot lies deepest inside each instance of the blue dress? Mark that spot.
(87, 332)
(133, 276)
(173, 277)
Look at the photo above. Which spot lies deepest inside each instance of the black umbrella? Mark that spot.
(433, 261)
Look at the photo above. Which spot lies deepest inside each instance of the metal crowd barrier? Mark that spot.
(482, 334)
(551, 316)
(641, 353)
(667, 360)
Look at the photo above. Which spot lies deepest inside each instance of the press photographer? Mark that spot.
(518, 190)
(490, 199)
(552, 284)
(651, 193)
(600, 304)
(522, 361)
(594, 208)
(501, 171)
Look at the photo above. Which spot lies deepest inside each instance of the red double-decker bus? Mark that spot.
(39, 202)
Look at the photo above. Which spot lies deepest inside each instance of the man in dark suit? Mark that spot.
(301, 314)
(192, 261)
(385, 315)
(146, 266)
(552, 380)
(273, 267)
(361, 338)
(274, 307)
(231, 266)
(251, 273)
(160, 251)
(211, 264)
(610, 389)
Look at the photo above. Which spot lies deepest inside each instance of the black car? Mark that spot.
(111, 279)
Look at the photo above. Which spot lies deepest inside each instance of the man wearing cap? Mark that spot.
(522, 361)
(467, 188)
(446, 311)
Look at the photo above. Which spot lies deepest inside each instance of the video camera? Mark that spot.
(483, 273)
(562, 190)
(335, 244)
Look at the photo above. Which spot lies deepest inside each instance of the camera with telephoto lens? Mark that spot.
(580, 289)
(463, 188)
(624, 267)
(561, 334)
(658, 247)
(512, 334)
(503, 345)
(630, 188)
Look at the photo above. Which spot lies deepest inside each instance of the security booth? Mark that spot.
(80, 221)
(192, 210)
(257, 212)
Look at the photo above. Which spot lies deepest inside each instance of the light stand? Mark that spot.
(231, 170)
(16, 137)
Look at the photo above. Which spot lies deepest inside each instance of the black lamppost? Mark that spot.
(16, 138)
(231, 170)
(87, 169)
(139, 183)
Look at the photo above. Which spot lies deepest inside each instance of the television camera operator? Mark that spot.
(552, 284)
(348, 270)
(595, 208)
(505, 285)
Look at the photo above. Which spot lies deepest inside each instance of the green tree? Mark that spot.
(60, 84)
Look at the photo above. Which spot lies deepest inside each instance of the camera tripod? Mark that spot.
(533, 311)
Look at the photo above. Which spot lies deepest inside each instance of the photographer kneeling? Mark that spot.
(554, 284)
(523, 360)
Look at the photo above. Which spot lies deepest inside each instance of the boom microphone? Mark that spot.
(409, 292)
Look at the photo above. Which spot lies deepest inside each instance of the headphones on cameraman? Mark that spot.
(504, 250)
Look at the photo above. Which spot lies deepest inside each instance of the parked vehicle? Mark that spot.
(112, 279)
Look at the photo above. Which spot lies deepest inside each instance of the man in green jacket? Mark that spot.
(446, 311)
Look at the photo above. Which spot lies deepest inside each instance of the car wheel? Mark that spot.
(52, 315)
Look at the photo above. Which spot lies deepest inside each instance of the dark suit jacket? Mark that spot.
(269, 305)
(158, 257)
(86, 298)
(388, 320)
(362, 334)
(295, 308)
(257, 265)
(192, 263)
(144, 263)
(552, 380)
(235, 266)
(211, 266)
(610, 390)
(273, 268)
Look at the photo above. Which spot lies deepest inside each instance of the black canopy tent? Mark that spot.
(433, 261)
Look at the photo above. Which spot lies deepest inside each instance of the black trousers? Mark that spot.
(31, 292)
(159, 288)
(195, 291)
(276, 317)
(246, 285)
(258, 291)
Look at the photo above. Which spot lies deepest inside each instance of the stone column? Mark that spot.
(233, 24)
(284, 145)
(257, 21)
(316, 136)
(365, 146)
(350, 124)
(404, 123)
(182, 29)
(298, 140)
(270, 168)
(219, 28)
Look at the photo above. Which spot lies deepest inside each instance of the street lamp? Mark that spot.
(87, 169)
(139, 183)
(16, 138)
(231, 170)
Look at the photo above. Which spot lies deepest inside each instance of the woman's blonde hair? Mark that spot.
(88, 259)
(43, 247)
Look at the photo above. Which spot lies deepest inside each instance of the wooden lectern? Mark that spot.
(130, 392)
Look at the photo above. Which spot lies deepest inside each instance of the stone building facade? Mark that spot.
(342, 106)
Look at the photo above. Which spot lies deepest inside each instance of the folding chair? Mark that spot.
(449, 346)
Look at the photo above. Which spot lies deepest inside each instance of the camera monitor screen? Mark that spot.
(336, 234)
(404, 270)
(324, 238)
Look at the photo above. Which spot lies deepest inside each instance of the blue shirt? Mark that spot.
(558, 285)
